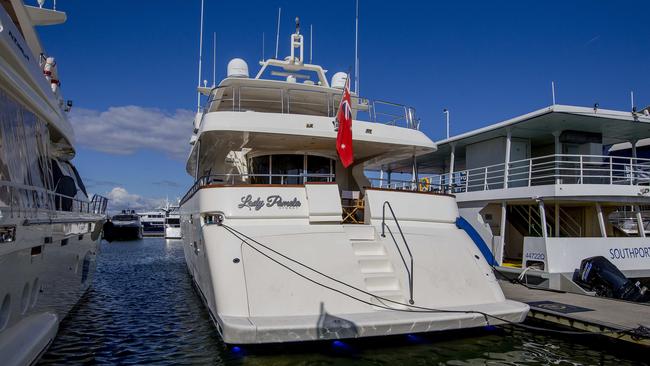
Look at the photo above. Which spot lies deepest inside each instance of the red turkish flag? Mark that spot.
(344, 135)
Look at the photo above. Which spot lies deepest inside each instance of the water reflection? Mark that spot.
(142, 309)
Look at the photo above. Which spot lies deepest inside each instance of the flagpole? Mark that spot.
(356, 52)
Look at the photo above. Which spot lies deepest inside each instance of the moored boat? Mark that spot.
(50, 226)
(285, 243)
(123, 226)
(553, 193)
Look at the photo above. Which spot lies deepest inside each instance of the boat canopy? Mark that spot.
(609, 127)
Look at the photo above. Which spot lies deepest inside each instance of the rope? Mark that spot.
(409, 308)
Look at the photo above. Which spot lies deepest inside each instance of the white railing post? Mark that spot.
(611, 171)
(485, 173)
(506, 164)
(530, 171)
(581, 167)
(631, 172)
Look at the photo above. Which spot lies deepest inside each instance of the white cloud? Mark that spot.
(124, 130)
(120, 199)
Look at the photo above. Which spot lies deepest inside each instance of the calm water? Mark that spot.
(142, 309)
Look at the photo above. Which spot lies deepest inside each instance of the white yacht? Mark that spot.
(285, 244)
(49, 228)
(172, 223)
(549, 189)
(153, 222)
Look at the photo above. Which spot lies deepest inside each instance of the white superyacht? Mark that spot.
(285, 244)
(49, 228)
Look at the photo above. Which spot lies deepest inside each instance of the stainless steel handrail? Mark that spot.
(406, 117)
(47, 201)
(409, 272)
(552, 169)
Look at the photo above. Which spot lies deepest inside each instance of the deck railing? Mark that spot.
(308, 102)
(550, 169)
(22, 200)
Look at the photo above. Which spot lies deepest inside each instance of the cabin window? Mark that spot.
(290, 169)
(319, 168)
(24, 155)
(287, 169)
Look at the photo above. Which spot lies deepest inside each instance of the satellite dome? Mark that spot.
(237, 68)
(338, 80)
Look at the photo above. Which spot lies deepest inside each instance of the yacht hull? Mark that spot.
(172, 232)
(45, 271)
(296, 274)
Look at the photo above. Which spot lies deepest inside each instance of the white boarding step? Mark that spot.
(375, 266)
(381, 283)
(360, 232)
(368, 248)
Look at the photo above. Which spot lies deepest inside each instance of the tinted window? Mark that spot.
(80, 183)
(288, 167)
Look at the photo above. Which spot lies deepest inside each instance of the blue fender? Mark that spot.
(463, 224)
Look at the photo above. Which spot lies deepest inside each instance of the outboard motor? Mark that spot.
(601, 276)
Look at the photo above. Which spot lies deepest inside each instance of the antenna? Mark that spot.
(198, 94)
(263, 36)
(356, 52)
(277, 34)
(311, 41)
(553, 91)
(632, 99)
(214, 58)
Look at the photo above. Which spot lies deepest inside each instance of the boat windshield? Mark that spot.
(124, 217)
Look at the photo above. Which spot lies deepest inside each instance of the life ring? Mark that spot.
(425, 184)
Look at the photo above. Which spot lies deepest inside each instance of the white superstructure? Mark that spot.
(546, 190)
(284, 244)
(173, 223)
(49, 229)
(153, 222)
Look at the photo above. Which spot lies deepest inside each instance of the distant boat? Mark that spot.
(153, 222)
(173, 223)
(124, 226)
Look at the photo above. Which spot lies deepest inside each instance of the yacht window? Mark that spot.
(24, 141)
(319, 168)
(287, 169)
(260, 168)
(290, 169)
(79, 182)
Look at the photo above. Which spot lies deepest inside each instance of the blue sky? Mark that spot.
(131, 66)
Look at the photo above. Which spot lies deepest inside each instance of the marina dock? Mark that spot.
(621, 320)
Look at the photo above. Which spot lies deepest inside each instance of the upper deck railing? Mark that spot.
(27, 201)
(308, 102)
(550, 169)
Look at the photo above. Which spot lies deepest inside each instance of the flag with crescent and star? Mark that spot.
(344, 134)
